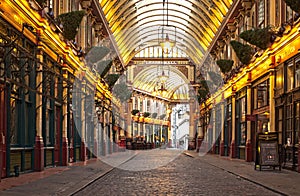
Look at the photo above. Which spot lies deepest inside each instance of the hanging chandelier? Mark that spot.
(165, 31)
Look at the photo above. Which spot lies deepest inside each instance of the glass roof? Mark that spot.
(135, 26)
(134, 23)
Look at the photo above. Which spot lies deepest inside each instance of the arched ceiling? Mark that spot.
(135, 23)
(176, 84)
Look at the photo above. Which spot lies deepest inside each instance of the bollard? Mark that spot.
(17, 170)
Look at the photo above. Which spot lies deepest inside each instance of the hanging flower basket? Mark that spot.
(146, 114)
(122, 92)
(134, 112)
(70, 22)
(225, 65)
(154, 115)
(111, 79)
(260, 37)
(294, 5)
(243, 51)
(96, 54)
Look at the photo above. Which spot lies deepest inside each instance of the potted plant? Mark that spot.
(225, 65)
(260, 37)
(70, 22)
(294, 5)
(243, 51)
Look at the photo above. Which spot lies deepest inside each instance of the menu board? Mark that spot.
(267, 150)
(269, 153)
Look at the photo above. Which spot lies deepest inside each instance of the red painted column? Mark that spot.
(83, 151)
(65, 151)
(71, 151)
(222, 148)
(39, 154)
(232, 149)
(199, 143)
(249, 154)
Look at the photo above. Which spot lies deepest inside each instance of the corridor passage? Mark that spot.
(158, 172)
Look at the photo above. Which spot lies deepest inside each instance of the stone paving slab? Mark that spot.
(67, 180)
(285, 181)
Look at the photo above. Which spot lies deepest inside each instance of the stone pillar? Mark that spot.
(65, 152)
(222, 146)
(272, 100)
(83, 123)
(232, 142)
(129, 120)
(249, 144)
(39, 144)
(191, 145)
(213, 145)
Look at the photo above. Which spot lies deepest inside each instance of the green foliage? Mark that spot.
(134, 112)
(260, 37)
(106, 69)
(243, 51)
(70, 22)
(122, 92)
(162, 116)
(146, 114)
(225, 65)
(294, 5)
(154, 115)
(95, 54)
(111, 79)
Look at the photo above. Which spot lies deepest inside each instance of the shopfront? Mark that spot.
(240, 119)
(287, 100)
(227, 127)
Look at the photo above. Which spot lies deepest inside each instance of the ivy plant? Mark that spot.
(243, 51)
(225, 65)
(111, 79)
(70, 22)
(260, 37)
(134, 112)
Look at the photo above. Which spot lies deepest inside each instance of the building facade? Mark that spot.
(260, 95)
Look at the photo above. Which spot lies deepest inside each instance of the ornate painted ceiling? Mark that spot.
(135, 26)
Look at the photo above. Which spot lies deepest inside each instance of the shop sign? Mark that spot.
(250, 117)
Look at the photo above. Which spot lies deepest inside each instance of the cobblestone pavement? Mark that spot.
(184, 175)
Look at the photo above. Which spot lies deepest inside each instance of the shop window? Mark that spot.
(261, 93)
(290, 76)
(289, 125)
(261, 13)
(279, 122)
(297, 123)
(279, 80)
(243, 134)
(297, 72)
(243, 106)
(13, 122)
